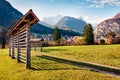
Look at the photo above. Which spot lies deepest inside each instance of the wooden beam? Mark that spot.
(12, 47)
(18, 48)
(28, 59)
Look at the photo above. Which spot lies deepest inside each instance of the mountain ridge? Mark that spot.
(9, 16)
(8, 13)
(108, 25)
(71, 23)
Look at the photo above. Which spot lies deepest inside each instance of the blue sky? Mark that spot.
(92, 11)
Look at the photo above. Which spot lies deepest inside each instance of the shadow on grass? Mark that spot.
(52, 50)
(52, 65)
(90, 66)
(38, 67)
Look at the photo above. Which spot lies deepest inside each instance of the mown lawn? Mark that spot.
(44, 69)
(101, 54)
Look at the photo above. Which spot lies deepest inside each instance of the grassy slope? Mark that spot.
(48, 70)
(102, 54)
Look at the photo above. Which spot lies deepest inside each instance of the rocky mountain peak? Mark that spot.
(71, 23)
(108, 25)
(117, 15)
(8, 14)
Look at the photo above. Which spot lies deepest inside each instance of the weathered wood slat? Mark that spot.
(15, 40)
(15, 55)
(23, 52)
(23, 48)
(15, 43)
(22, 33)
(24, 55)
(21, 40)
(22, 45)
(23, 61)
(15, 46)
(22, 29)
(15, 37)
(23, 58)
(23, 36)
(15, 51)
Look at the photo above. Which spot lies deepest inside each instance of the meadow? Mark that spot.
(101, 54)
(45, 69)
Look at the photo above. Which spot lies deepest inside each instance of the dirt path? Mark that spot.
(114, 71)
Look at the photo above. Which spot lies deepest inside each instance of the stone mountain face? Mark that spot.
(117, 15)
(109, 25)
(70, 23)
(8, 14)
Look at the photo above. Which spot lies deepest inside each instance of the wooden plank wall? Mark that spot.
(20, 46)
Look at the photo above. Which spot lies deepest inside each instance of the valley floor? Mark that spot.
(46, 69)
(100, 54)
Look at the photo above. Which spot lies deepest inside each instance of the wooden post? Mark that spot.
(10, 46)
(34, 46)
(18, 49)
(41, 46)
(28, 64)
(12, 42)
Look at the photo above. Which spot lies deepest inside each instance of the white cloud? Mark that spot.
(102, 3)
(95, 20)
(98, 3)
(52, 20)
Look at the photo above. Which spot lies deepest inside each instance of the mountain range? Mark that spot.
(68, 25)
(44, 23)
(9, 16)
(52, 20)
(109, 25)
(71, 23)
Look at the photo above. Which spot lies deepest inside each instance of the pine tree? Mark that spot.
(3, 37)
(56, 35)
(88, 34)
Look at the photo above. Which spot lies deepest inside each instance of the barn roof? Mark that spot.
(28, 17)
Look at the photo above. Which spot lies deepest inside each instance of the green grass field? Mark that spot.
(101, 54)
(44, 69)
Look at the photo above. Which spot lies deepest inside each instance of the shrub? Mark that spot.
(79, 41)
(102, 41)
